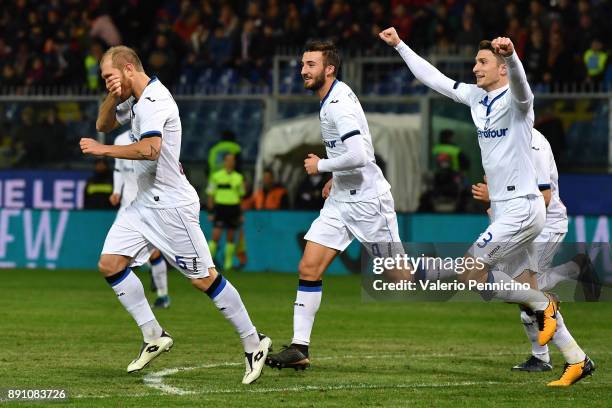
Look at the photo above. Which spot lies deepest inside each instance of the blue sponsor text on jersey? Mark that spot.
(330, 143)
(492, 133)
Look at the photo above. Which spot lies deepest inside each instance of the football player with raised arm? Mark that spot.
(501, 105)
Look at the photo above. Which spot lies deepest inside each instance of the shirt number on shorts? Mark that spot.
(180, 262)
(485, 241)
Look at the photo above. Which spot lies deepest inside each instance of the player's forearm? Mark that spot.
(146, 149)
(424, 71)
(106, 115)
(521, 92)
(354, 158)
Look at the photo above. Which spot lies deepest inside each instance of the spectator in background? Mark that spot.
(535, 56)
(29, 139)
(99, 187)
(293, 29)
(92, 66)
(310, 193)
(559, 64)
(518, 35)
(595, 60)
(103, 28)
(271, 196)
(162, 59)
(547, 121)
(469, 35)
(402, 21)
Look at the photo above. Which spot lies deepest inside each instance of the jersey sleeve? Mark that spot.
(153, 116)
(433, 78)
(522, 97)
(344, 114)
(122, 112)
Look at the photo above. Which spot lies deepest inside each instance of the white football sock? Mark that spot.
(159, 271)
(531, 329)
(433, 269)
(130, 292)
(565, 342)
(227, 299)
(534, 299)
(307, 302)
(566, 272)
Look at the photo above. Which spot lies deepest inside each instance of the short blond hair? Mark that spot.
(122, 55)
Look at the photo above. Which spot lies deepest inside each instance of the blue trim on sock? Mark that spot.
(490, 277)
(157, 261)
(310, 288)
(219, 288)
(113, 281)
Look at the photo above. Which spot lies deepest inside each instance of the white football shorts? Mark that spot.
(372, 222)
(176, 232)
(509, 239)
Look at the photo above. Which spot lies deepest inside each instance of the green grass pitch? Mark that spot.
(66, 329)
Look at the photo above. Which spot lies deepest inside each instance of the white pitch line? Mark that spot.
(301, 388)
(156, 379)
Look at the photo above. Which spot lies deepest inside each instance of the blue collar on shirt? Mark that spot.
(486, 103)
(328, 93)
(153, 79)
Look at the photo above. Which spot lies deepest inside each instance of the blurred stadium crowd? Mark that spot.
(199, 42)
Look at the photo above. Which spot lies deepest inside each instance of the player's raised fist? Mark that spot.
(91, 146)
(503, 46)
(390, 36)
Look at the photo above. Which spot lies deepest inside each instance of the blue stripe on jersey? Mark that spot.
(153, 79)
(328, 93)
(310, 288)
(543, 187)
(490, 106)
(150, 133)
(349, 134)
(456, 85)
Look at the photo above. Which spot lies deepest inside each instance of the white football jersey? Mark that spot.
(128, 185)
(504, 136)
(548, 176)
(161, 183)
(342, 117)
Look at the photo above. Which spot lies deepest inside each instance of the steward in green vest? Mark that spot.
(225, 190)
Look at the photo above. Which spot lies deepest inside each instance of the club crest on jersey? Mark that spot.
(133, 138)
(330, 143)
(487, 123)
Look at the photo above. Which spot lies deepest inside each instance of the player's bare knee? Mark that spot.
(309, 271)
(203, 284)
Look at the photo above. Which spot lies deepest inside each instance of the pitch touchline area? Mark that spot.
(155, 380)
